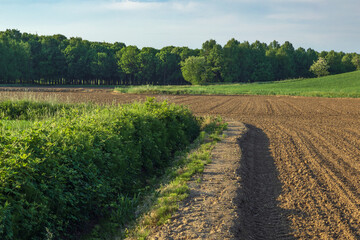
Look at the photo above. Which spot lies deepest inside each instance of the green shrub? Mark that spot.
(69, 169)
(32, 110)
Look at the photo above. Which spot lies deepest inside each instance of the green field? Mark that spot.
(341, 85)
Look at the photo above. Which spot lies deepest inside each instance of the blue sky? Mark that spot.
(318, 24)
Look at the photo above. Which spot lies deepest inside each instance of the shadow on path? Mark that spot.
(259, 213)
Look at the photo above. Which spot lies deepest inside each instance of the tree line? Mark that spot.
(32, 59)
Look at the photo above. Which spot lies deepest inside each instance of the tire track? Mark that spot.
(260, 216)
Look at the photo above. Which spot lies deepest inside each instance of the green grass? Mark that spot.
(57, 86)
(15, 124)
(341, 85)
(175, 187)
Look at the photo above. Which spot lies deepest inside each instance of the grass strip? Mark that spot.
(340, 85)
(174, 189)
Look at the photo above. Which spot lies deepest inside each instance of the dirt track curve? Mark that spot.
(302, 152)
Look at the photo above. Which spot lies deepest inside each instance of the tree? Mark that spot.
(30, 58)
(194, 70)
(246, 62)
(286, 64)
(169, 68)
(212, 52)
(14, 60)
(129, 62)
(261, 67)
(275, 45)
(232, 62)
(320, 67)
(185, 52)
(333, 59)
(302, 63)
(148, 65)
(51, 61)
(356, 61)
(80, 59)
(347, 65)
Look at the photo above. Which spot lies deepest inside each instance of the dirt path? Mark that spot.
(211, 210)
(310, 148)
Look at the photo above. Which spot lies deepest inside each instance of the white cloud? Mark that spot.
(133, 5)
(185, 6)
(128, 5)
(271, 2)
(298, 1)
(299, 16)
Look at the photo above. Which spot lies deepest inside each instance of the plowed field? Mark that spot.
(302, 156)
(315, 146)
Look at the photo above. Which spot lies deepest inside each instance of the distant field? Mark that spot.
(341, 85)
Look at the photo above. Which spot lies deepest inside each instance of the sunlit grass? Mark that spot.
(15, 124)
(341, 85)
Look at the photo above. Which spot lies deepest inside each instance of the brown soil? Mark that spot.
(300, 167)
(211, 211)
(261, 217)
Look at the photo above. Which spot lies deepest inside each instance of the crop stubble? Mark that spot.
(314, 154)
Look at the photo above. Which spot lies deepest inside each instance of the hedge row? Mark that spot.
(34, 110)
(65, 171)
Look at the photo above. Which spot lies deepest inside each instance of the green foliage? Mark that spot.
(63, 171)
(194, 70)
(148, 64)
(129, 61)
(212, 52)
(31, 110)
(14, 60)
(175, 188)
(33, 59)
(356, 61)
(15, 124)
(320, 67)
(169, 69)
(235, 62)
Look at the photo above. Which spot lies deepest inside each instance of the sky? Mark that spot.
(317, 24)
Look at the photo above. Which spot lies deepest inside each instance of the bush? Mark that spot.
(67, 170)
(194, 70)
(320, 67)
(31, 110)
